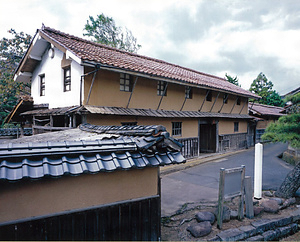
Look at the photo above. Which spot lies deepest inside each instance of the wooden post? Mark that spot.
(249, 197)
(241, 205)
(221, 198)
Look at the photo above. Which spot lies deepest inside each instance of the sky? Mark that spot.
(239, 37)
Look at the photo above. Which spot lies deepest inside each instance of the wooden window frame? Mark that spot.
(188, 92)
(42, 84)
(67, 79)
(236, 127)
(125, 82)
(176, 128)
(161, 85)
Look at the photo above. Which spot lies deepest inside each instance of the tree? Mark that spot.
(287, 129)
(103, 30)
(233, 80)
(11, 52)
(264, 88)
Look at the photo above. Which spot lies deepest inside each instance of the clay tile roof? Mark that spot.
(108, 56)
(262, 109)
(88, 149)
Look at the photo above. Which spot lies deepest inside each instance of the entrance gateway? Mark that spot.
(208, 136)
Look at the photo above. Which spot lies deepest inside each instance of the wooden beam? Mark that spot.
(132, 91)
(207, 92)
(214, 102)
(225, 100)
(243, 107)
(234, 104)
(89, 95)
(162, 95)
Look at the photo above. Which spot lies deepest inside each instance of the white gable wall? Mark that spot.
(54, 85)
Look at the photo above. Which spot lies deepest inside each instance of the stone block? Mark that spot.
(205, 216)
(280, 222)
(270, 235)
(296, 215)
(249, 230)
(258, 210)
(278, 200)
(256, 238)
(232, 235)
(263, 225)
(200, 229)
(216, 238)
(270, 206)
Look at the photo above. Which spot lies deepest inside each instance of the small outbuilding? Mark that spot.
(89, 183)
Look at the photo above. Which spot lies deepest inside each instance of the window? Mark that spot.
(67, 79)
(238, 101)
(208, 95)
(125, 82)
(188, 93)
(42, 84)
(129, 123)
(176, 128)
(225, 98)
(161, 88)
(236, 126)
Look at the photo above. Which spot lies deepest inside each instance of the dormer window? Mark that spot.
(125, 82)
(42, 84)
(67, 79)
(188, 93)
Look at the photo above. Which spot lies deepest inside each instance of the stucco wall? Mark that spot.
(54, 85)
(47, 196)
(189, 126)
(263, 124)
(227, 127)
(106, 92)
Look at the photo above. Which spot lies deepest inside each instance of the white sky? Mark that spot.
(239, 37)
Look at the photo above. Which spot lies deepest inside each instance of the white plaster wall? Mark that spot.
(54, 88)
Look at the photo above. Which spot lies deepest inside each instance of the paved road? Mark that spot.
(201, 183)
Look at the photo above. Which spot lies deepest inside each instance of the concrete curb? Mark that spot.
(165, 170)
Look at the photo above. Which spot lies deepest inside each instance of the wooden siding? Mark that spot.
(126, 221)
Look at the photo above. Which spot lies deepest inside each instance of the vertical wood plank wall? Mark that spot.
(136, 220)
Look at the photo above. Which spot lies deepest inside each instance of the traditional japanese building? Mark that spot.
(76, 81)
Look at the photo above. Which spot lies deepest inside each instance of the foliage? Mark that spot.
(287, 128)
(233, 80)
(11, 52)
(103, 30)
(264, 88)
(293, 102)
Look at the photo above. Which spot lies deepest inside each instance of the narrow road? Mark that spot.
(201, 183)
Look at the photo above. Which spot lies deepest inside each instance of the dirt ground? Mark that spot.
(174, 227)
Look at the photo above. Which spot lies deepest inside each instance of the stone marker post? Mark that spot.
(258, 171)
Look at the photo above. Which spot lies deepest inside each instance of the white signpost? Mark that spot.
(258, 171)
